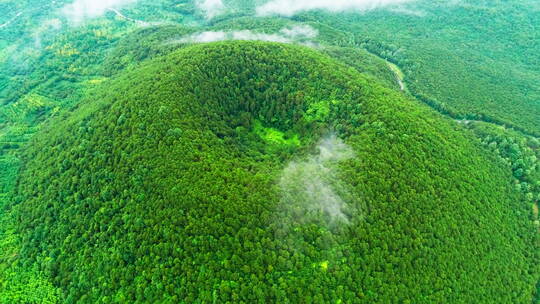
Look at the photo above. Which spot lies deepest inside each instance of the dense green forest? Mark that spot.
(379, 156)
(479, 61)
(168, 186)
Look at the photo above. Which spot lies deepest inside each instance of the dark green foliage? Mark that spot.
(520, 153)
(141, 45)
(8, 172)
(159, 189)
(365, 63)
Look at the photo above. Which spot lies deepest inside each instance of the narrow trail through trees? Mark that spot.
(11, 20)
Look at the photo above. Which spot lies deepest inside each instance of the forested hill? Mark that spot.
(471, 59)
(137, 166)
(251, 172)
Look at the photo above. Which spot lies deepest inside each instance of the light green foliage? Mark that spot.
(25, 108)
(20, 284)
(318, 110)
(275, 136)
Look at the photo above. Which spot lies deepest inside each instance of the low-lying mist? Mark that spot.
(311, 191)
(296, 34)
(292, 7)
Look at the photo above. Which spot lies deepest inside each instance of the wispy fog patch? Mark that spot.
(407, 11)
(79, 11)
(249, 35)
(210, 8)
(204, 37)
(311, 189)
(49, 25)
(298, 33)
(292, 7)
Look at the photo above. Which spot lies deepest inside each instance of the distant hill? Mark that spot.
(474, 59)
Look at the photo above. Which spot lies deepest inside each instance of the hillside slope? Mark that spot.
(474, 59)
(259, 172)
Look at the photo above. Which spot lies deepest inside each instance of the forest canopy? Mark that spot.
(191, 179)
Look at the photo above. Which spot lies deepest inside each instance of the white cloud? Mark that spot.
(211, 8)
(211, 36)
(297, 33)
(205, 37)
(82, 10)
(300, 31)
(311, 188)
(292, 7)
(249, 35)
(407, 11)
(47, 26)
